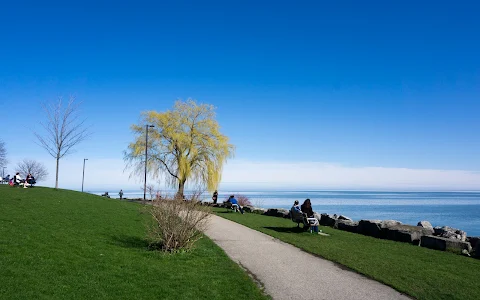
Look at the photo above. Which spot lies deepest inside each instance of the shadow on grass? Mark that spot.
(286, 229)
(130, 242)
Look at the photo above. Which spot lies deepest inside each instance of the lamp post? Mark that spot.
(146, 157)
(3, 174)
(83, 175)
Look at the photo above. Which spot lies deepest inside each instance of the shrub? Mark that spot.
(177, 224)
(242, 200)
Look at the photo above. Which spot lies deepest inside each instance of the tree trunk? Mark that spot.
(56, 173)
(181, 188)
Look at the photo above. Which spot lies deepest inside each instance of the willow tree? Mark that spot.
(184, 144)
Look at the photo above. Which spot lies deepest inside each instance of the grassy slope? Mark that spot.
(68, 245)
(416, 271)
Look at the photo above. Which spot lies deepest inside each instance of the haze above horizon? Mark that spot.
(344, 95)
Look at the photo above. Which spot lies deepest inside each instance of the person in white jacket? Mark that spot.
(18, 179)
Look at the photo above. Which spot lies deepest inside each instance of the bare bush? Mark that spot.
(242, 200)
(30, 166)
(177, 224)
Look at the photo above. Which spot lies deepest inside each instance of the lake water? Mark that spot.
(455, 209)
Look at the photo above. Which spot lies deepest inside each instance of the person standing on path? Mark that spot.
(120, 194)
(215, 197)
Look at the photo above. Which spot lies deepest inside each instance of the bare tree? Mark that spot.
(34, 167)
(3, 154)
(64, 129)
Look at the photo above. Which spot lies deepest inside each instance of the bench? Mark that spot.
(298, 217)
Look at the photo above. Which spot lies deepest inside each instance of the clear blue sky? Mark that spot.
(354, 83)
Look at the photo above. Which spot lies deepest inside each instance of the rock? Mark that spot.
(248, 208)
(406, 233)
(473, 240)
(445, 244)
(346, 225)
(390, 223)
(327, 220)
(278, 212)
(425, 224)
(258, 210)
(317, 216)
(342, 217)
(450, 233)
(477, 251)
(370, 227)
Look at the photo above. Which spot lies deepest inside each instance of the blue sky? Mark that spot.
(304, 87)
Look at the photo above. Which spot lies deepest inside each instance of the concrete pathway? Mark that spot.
(287, 272)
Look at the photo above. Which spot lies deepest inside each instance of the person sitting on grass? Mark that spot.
(17, 179)
(235, 202)
(30, 179)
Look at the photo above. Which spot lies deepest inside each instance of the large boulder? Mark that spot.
(477, 251)
(445, 244)
(406, 233)
(425, 224)
(278, 212)
(248, 208)
(376, 228)
(327, 220)
(473, 240)
(258, 210)
(450, 233)
(342, 217)
(346, 225)
(370, 227)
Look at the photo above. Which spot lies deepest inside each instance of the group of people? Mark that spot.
(230, 199)
(307, 211)
(18, 180)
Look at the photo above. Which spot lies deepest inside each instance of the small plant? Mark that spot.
(177, 224)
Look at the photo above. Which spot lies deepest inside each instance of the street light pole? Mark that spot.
(83, 175)
(3, 174)
(146, 157)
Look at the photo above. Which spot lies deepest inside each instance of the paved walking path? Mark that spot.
(287, 272)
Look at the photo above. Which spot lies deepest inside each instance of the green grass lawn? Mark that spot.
(59, 244)
(416, 271)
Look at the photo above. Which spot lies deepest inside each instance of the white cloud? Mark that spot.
(318, 175)
(108, 174)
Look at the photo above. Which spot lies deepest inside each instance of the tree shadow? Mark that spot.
(225, 212)
(130, 242)
(287, 229)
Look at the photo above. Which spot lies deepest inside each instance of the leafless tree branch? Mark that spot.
(63, 129)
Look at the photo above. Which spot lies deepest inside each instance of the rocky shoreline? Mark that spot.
(442, 238)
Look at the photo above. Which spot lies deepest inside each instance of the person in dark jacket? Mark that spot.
(307, 208)
(215, 197)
